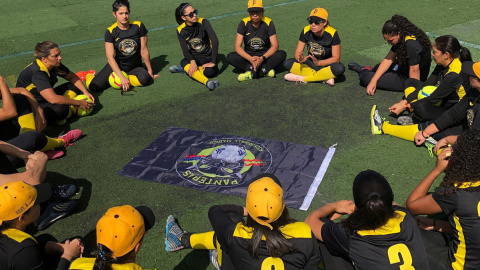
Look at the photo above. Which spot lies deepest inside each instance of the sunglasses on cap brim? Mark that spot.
(191, 14)
(315, 21)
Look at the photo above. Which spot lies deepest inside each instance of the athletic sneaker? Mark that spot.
(245, 76)
(71, 136)
(54, 212)
(405, 120)
(271, 73)
(213, 255)
(83, 74)
(176, 69)
(376, 121)
(357, 67)
(63, 192)
(430, 144)
(211, 85)
(294, 78)
(54, 154)
(173, 235)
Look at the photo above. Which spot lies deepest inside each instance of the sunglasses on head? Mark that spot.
(191, 14)
(316, 21)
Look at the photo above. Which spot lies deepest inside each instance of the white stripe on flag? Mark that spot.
(318, 178)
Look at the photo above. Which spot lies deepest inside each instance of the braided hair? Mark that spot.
(403, 27)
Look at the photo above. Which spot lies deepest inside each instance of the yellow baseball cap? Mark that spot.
(320, 13)
(122, 227)
(472, 69)
(17, 197)
(255, 5)
(265, 199)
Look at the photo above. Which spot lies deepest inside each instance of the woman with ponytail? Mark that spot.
(377, 234)
(428, 101)
(120, 234)
(269, 239)
(199, 45)
(409, 57)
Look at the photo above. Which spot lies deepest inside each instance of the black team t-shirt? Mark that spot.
(256, 40)
(36, 78)
(127, 44)
(320, 46)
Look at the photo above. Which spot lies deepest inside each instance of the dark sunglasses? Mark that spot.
(191, 14)
(317, 21)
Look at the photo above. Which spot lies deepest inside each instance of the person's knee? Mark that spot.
(144, 78)
(231, 57)
(366, 77)
(184, 62)
(37, 139)
(288, 63)
(210, 72)
(282, 55)
(337, 69)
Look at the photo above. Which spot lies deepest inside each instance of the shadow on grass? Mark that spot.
(159, 63)
(196, 259)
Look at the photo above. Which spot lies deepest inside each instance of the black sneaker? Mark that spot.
(64, 192)
(54, 212)
(357, 67)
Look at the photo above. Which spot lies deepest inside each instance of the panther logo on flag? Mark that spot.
(223, 162)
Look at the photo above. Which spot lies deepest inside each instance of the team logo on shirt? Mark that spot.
(223, 162)
(197, 44)
(127, 47)
(316, 49)
(470, 117)
(256, 44)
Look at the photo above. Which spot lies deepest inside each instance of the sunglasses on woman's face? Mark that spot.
(317, 22)
(191, 14)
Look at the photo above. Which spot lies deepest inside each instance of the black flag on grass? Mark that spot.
(226, 163)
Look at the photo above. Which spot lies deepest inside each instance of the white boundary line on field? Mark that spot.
(151, 30)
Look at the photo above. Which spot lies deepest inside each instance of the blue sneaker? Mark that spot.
(173, 235)
(64, 192)
(176, 69)
(54, 212)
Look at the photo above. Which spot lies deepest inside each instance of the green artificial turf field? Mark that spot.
(312, 114)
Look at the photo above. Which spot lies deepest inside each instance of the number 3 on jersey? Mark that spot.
(394, 253)
(272, 263)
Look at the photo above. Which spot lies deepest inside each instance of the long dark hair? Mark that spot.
(373, 198)
(451, 45)
(179, 12)
(105, 258)
(403, 27)
(277, 244)
(120, 3)
(464, 163)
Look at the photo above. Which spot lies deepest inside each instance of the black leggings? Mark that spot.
(455, 130)
(271, 63)
(209, 72)
(436, 247)
(337, 68)
(424, 111)
(333, 262)
(56, 112)
(390, 81)
(29, 141)
(100, 82)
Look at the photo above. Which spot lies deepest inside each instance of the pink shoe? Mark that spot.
(71, 136)
(54, 154)
(83, 74)
(294, 78)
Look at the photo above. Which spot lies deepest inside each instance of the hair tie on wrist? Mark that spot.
(373, 194)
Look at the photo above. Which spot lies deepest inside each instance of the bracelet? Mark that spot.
(264, 58)
(434, 220)
(424, 135)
